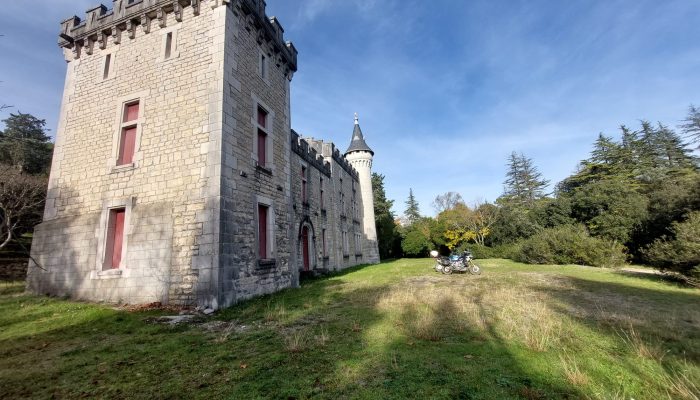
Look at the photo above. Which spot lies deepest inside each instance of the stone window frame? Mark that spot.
(271, 248)
(110, 53)
(174, 43)
(120, 107)
(269, 131)
(102, 233)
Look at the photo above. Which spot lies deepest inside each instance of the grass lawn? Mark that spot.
(395, 330)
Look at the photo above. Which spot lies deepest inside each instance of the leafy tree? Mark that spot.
(416, 238)
(384, 219)
(524, 183)
(514, 222)
(679, 251)
(22, 198)
(25, 145)
(412, 212)
(691, 126)
(610, 208)
(447, 201)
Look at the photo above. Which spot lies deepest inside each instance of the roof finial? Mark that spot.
(357, 119)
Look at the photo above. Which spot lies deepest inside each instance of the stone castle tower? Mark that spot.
(360, 157)
(176, 176)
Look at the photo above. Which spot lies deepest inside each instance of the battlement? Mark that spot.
(344, 164)
(308, 153)
(101, 24)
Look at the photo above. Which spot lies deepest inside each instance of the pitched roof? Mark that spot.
(358, 140)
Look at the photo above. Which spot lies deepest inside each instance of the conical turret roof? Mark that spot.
(358, 140)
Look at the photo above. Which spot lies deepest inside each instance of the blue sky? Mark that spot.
(445, 89)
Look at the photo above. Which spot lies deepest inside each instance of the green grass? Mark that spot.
(395, 330)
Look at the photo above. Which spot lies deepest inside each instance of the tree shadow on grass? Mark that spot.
(412, 349)
(655, 277)
(647, 326)
(327, 340)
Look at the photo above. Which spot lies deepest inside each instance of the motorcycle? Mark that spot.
(456, 263)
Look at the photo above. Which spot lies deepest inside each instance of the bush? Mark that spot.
(570, 244)
(680, 253)
(500, 251)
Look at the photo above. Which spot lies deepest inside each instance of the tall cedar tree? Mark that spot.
(412, 212)
(691, 126)
(25, 145)
(524, 183)
(384, 219)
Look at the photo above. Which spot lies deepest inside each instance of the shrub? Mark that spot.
(680, 253)
(570, 244)
(499, 251)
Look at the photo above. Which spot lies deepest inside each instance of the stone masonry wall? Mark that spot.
(243, 183)
(167, 189)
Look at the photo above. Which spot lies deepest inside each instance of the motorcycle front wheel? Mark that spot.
(474, 269)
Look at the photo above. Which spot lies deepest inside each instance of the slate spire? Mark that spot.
(358, 140)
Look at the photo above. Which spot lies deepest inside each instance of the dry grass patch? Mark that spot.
(679, 385)
(572, 372)
(296, 341)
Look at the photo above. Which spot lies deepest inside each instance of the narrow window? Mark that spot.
(262, 136)
(108, 61)
(323, 241)
(303, 184)
(115, 238)
(127, 141)
(262, 231)
(168, 45)
(346, 244)
(263, 66)
(320, 191)
(262, 147)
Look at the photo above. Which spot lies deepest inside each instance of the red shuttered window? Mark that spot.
(262, 137)
(262, 231)
(262, 148)
(127, 141)
(115, 238)
(262, 117)
(126, 148)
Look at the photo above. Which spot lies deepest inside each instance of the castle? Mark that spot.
(176, 176)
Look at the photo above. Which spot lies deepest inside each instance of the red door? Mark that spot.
(305, 247)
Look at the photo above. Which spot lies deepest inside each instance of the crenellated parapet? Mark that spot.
(102, 24)
(309, 154)
(344, 164)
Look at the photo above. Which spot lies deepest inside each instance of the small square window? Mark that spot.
(262, 117)
(131, 112)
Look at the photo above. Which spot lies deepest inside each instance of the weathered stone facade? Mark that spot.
(199, 72)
